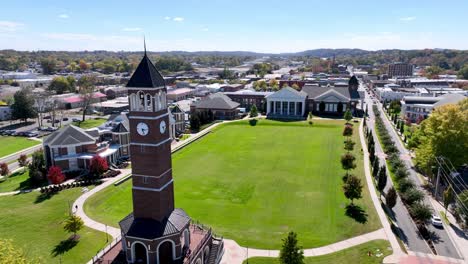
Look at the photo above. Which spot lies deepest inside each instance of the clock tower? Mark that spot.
(155, 232)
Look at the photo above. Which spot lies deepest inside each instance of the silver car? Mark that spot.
(436, 221)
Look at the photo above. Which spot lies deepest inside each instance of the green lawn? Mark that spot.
(90, 123)
(357, 254)
(10, 145)
(37, 227)
(16, 181)
(253, 184)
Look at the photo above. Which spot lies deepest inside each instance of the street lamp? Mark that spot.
(107, 235)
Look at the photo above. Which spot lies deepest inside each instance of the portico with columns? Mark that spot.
(287, 103)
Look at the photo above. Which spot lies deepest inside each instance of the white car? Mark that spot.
(436, 221)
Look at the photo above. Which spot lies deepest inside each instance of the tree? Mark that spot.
(391, 197)
(274, 85)
(98, 166)
(13, 255)
(253, 111)
(402, 127)
(367, 112)
(382, 181)
(463, 72)
(310, 117)
(348, 131)
(195, 122)
(449, 197)
(37, 168)
(347, 116)
(412, 195)
(353, 188)
(444, 133)
(23, 107)
(23, 160)
(48, 65)
(349, 145)
(60, 85)
(364, 122)
(347, 161)
(421, 212)
(86, 90)
(55, 175)
(291, 252)
(462, 206)
(4, 171)
(375, 167)
(73, 224)
(296, 87)
(83, 65)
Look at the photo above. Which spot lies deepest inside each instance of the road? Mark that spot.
(442, 241)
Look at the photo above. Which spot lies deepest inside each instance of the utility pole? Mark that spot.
(437, 183)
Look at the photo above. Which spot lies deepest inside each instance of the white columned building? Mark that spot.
(286, 103)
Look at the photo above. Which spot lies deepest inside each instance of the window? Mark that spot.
(145, 180)
(148, 104)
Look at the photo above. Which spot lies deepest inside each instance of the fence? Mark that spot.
(102, 252)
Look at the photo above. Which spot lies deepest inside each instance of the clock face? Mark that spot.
(142, 129)
(162, 127)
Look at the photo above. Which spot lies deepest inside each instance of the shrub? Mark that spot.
(401, 172)
(98, 166)
(348, 131)
(22, 160)
(55, 175)
(349, 144)
(404, 184)
(420, 212)
(391, 197)
(4, 171)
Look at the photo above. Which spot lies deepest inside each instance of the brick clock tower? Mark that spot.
(155, 232)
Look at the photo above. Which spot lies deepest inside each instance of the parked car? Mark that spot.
(65, 119)
(8, 132)
(436, 221)
(31, 134)
(46, 117)
(76, 119)
(51, 129)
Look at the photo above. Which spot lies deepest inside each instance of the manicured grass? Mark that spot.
(37, 227)
(16, 181)
(253, 184)
(357, 254)
(10, 145)
(90, 123)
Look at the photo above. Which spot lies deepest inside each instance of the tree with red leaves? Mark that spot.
(4, 171)
(55, 175)
(98, 166)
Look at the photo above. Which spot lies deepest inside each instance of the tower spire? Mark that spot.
(144, 43)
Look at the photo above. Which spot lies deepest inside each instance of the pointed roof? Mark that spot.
(69, 135)
(287, 93)
(146, 75)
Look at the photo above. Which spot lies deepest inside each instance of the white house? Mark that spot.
(286, 103)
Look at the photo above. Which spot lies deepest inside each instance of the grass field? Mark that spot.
(10, 145)
(253, 184)
(90, 123)
(36, 226)
(16, 181)
(357, 254)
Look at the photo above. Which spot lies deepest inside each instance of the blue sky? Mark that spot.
(263, 26)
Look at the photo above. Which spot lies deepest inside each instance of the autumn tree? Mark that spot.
(23, 160)
(4, 171)
(97, 166)
(55, 175)
(444, 133)
(291, 252)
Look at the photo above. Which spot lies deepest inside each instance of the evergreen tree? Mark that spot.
(291, 252)
(391, 197)
(402, 127)
(382, 181)
(348, 116)
(253, 111)
(23, 107)
(194, 122)
(37, 167)
(375, 167)
(364, 122)
(367, 112)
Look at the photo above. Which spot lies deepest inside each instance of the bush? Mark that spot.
(420, 212)
(349, 145)
(404, 184)
(4, 171)
(55, 175)
(401, 173)
(348, 131)
(98, 166)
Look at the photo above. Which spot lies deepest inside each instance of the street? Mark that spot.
(441, 240)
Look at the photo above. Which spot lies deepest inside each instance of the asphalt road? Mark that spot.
(442, 241)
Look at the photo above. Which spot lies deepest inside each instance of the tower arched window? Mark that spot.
(148, 103)
(159, 101)
(141, 101)
(132, 101)
(163, 100)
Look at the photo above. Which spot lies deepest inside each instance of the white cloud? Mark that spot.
(64, 16)
(10, 26)
(131, 29)
(167, 18)
(178, 19)
(407, 18)
(205, 29)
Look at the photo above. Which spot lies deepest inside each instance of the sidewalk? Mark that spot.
(235, 254)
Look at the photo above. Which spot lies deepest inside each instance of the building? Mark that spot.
(416, 108)
(76, 101)
(156, 232)
(116, 105)
(221, 105)
(5, 113)
(72, 148)
(248, 98)
(286, 103)
(177, 122)
(178, 94)
(113, 92)
(400, 69)
(232, 87)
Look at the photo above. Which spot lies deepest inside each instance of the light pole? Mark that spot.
(107, 235)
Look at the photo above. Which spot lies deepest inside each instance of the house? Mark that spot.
(72, 148)
(286, 103)
(417, 108)
(248, 98)
(220, 104)
(5, 113)
(176, 121)
(178, 94)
